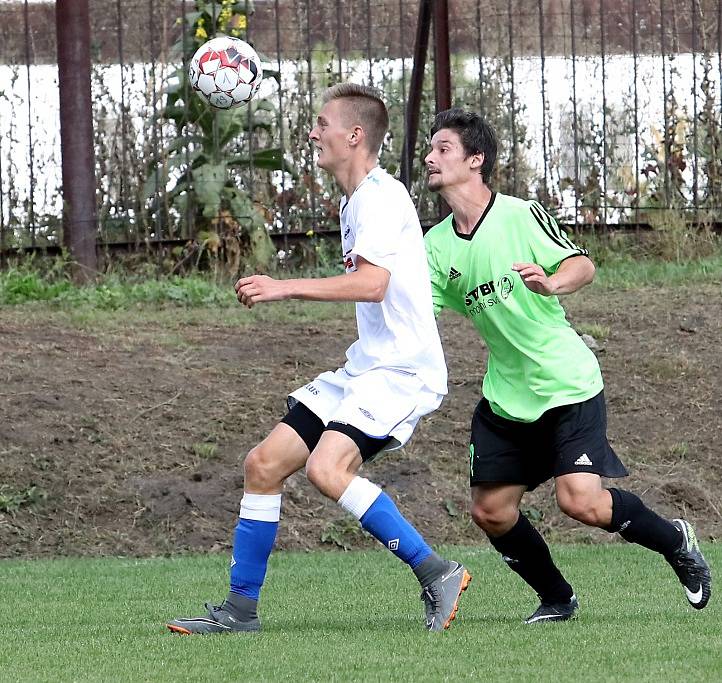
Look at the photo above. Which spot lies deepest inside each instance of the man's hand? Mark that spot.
(534, 277)
(573, 273)
(367, 283)
(256, 288)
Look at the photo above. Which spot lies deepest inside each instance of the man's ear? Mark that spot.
(356, 136)
(477, 160)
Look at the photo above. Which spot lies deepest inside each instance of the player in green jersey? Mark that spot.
(503, 262)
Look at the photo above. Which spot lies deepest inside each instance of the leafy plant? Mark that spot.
(11, 500)
(596, 330)
(202, 164)
(533, 514)
(342, 533)
(451, 508)
(205, 449)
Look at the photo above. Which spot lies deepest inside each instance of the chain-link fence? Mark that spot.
(608, 111)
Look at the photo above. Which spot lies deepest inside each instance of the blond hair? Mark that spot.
(366, 109)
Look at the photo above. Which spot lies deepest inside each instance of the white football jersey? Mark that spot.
(380, 224)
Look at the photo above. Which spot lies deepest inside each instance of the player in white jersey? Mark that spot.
(394, 374)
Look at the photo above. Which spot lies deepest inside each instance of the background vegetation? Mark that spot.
(641, 146)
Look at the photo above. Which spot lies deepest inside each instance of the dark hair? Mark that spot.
(367, 107)
(477, 136)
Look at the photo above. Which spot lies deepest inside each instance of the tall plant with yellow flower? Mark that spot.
(207, 163)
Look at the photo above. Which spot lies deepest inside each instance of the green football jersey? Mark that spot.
(536, 359)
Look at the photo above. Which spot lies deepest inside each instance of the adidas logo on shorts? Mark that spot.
(583, 459)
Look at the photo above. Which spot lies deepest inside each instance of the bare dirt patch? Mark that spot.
(129, 440)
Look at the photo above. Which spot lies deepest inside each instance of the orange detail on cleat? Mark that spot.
(464, 585)
(179, 629)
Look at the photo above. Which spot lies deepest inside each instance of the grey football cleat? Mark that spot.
(219, 620)
(690, 567)
(557, 611)
(441, 596)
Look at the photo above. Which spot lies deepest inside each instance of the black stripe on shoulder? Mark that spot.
(539, 214)
(560, 232)
(555, 230)
(553, 225)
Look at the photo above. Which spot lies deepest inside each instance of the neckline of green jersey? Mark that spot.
(470, 236)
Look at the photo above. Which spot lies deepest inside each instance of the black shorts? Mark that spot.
(309, 427)
(566, 439)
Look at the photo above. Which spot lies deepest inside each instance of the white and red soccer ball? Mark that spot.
(226, 72)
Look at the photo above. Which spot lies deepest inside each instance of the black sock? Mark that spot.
(636, 523)
(526, 553)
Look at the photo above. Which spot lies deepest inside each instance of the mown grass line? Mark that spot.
(353, 617)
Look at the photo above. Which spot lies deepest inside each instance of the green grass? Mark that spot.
(594, 329)
(19, 286)
(353, 617)
(170, 301)
(629, 273)
(112, 292)
(173, 303)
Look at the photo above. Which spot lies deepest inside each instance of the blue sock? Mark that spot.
(252, 545)
(253, 542)
(386, 524)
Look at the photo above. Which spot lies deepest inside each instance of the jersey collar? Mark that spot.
(345, 200)
(470, 236)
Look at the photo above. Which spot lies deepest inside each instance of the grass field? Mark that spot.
(354, 617)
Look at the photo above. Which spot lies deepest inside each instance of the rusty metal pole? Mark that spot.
(512, 101)
(442, 74)
(442, 61)
(72, 23)
(635, 71)
(575, 117)
(605, 148)
(31, 151)
(411, 127)
(311, 113)
(542, 58)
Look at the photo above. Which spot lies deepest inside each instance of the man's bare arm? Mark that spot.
(368, 283)
(572, 274)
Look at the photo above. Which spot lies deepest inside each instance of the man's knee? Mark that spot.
(261, 467)
(587, 507)
(316, 470)
(322, 471)
(493, 518)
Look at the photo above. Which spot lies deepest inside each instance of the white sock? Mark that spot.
(261, 507)
(359, 496)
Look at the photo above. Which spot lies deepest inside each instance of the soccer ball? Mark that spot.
(226, 72)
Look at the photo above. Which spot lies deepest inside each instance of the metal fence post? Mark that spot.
(76, 134)
(544, 98)
(411, 127)
(603, 55)
(575, 130)
(31, 160)
(512, 95)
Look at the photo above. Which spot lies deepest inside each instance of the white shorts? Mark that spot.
(380, 402)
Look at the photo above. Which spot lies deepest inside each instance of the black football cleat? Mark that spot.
(690, 567)
(556, 611)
